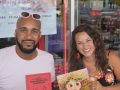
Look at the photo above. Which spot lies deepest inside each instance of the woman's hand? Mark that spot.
(99, 86)
(95, 85)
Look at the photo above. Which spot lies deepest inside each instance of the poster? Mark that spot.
(11, 9)
(56, 42)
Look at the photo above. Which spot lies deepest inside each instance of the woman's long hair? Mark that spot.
(100, 54)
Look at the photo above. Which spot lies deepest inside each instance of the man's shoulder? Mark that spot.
(6, 54)
(7, 49)
(45, 53)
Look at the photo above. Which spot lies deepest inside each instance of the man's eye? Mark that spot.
(35, 31)
(23, 30)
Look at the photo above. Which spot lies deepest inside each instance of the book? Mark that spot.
(76, 80)
(40, 81)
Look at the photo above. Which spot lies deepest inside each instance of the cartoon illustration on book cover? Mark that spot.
(76, 80)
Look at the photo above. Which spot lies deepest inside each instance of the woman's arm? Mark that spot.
(114, 62)
(113, 87)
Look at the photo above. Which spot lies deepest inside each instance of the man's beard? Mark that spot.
(25, 50)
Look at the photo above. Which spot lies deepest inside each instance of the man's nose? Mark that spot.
(29, 35)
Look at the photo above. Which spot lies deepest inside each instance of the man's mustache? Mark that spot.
(28, 40)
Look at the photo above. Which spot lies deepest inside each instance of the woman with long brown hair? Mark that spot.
(88, 51)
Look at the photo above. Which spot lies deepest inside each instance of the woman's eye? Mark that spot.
(89, 40)
(79, 43)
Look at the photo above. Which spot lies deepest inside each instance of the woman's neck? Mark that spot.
(89, 59)
(90, 64)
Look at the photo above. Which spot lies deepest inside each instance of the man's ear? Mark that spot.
(40, 35)
(15, 32)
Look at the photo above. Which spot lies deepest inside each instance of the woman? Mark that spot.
(88, 51)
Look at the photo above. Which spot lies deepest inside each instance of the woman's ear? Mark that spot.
(78, 55)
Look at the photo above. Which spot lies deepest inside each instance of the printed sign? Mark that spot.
(10, 10)
(38, 82)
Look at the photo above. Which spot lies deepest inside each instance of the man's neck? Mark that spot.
(26, 56)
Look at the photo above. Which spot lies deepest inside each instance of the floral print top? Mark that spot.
(106, 79)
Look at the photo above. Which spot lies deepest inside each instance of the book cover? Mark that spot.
(40, 81)
(76, 80)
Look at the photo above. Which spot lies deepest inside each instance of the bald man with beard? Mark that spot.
(24, 58)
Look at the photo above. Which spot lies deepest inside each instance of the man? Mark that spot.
(24, 58)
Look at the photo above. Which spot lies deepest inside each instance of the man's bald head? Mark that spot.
(29, 20)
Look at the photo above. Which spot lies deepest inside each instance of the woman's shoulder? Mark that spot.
(114, 62)
(111, 54)
(113, 57)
